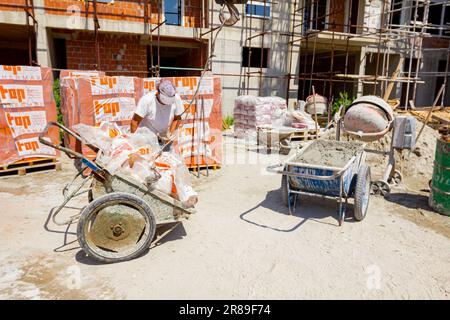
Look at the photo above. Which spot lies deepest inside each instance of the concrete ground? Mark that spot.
(241, 244)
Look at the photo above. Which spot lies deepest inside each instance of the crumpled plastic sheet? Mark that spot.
(135, 155)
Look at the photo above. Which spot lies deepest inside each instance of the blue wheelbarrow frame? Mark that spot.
(327, 181)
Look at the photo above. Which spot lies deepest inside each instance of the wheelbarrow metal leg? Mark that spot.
(342, 208)
(67, 198)
(295, 201)
(289, 196)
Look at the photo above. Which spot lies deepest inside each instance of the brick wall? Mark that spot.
(435, 42)
(119, 55)
(193, 13)
(5, 5)
(130, 10)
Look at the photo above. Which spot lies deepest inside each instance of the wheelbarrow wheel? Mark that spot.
(362, 192)
(116, 227)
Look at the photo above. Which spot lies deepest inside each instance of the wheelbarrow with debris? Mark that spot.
(122, 216)
(327, 168)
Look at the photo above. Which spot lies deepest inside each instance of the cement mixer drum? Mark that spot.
(368, 118)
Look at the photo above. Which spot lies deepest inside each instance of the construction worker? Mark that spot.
(160, 111)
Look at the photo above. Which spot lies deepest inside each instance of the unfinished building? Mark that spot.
(277, 48)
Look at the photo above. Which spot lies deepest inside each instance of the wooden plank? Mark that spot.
(202, 167)
(391, 84)
(34, 168)
(28, 162)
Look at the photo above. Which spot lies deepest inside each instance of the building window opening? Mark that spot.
(257, 9)
(257, 59)
(173, 12)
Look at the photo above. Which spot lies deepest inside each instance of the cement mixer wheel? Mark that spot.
(381, 188)
(116, 227)
(396, 178)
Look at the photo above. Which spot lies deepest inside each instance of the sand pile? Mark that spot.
(329, 153)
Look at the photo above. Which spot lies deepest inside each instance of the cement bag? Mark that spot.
(302, 120)
(277, 102)
(120, 152)
(185, 192)
(321, 104)
(265, 109)
(165, 183)
(180, 178)
(139, 169)
(100, 137)
(246, 101)
(136, 146)
(145, 142)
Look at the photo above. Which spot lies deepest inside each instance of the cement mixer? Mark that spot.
(370, 118)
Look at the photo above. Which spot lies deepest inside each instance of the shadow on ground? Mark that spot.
(164, 234)
(314, 208)
(408, 200)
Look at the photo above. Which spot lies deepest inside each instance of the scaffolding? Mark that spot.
(309, 23)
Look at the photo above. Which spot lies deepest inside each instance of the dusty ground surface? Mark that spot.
(241, 244)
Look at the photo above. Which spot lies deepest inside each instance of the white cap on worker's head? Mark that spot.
(167, 92)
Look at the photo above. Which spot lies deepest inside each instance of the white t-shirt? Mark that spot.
(156, 116)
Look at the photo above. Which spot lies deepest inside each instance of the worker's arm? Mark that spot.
(143, 109)
(179, 110)
(135, 121)
(175, 123)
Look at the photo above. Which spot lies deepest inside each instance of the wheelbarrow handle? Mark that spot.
(67, 151)
(275, 168)
(49, 143)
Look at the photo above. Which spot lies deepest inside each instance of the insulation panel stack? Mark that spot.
(199, 140)
(26, 106)
(68, 83)
(95, 99)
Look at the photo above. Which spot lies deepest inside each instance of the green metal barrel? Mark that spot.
(440, 184)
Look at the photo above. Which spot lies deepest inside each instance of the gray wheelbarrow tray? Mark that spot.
(341, 182)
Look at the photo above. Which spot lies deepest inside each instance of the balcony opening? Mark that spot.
(14, 45)
(438, 16)
(354, 16)
(396, 8)
(314, 16)
(178, 58)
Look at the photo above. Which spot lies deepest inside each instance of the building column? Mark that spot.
(42, 44)
(361, 71)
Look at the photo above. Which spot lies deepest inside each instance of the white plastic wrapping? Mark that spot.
(136, 155)
(251, 112)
